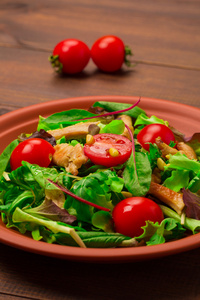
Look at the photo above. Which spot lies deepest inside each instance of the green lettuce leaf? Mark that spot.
(21, 217)
(194, 185)
(97, 188)
(115, 106)
(62, 119)
(5, 156)
(115, 127)
(92, 239)
(137, 180)
(66, 235)
(103, 220)
(143, 119)
(155, 233)
(179, 179)
(153, 154)
(50, 210)
(28, 185)
(181, 162)
(184, 173)
(189, 223)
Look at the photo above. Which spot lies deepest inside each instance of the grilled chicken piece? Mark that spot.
(187, 150)
(165, 149)
(72, 158)
(181, 147)
(128, 121)
(77, 131)
(169, 197)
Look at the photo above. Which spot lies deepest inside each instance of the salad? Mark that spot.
(110, 176)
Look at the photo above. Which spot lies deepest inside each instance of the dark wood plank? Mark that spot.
(29, 275)
(164, 36)
(26, 81)
(6, 109)
(157, 32)
(9, 297)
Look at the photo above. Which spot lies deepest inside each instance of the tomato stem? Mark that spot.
(56, 64)
(128, 52)
(77, 197)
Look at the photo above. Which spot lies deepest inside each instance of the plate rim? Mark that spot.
(94, 254)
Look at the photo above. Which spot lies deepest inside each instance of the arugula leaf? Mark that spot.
(115, 106)
(137, 180)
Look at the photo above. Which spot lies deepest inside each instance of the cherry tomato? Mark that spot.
(152, 131)
(70, 56)
(131, 214)
(109, 53)
(98, 152)
(33, 150)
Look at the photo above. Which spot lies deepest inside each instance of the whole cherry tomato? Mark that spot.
(109, 53)
(131, 214)
(33, 150)
(152, 131)
(108, 149)
(70, 56)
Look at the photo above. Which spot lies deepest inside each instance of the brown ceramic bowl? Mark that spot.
(185, 118)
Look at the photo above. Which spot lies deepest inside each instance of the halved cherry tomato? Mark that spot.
(131, 214)
(98, 152)
(109, 53)
(70, 56)
(152, 131)
(33, 150)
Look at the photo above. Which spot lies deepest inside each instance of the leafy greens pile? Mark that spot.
(30, 202)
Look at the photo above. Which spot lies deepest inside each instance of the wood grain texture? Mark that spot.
(157, 31)
(28, 275)
(164, 37)
(37, 82)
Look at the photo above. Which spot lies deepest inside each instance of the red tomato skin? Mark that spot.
(108, 53)
(74, 55)
(33, 150)
(98, 151)
(150, 132)
(131, 214)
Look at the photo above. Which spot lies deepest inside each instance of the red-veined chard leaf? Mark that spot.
(192, 203)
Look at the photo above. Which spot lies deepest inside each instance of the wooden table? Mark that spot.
(164, 36)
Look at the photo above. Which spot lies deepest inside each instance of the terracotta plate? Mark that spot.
(183, 117)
